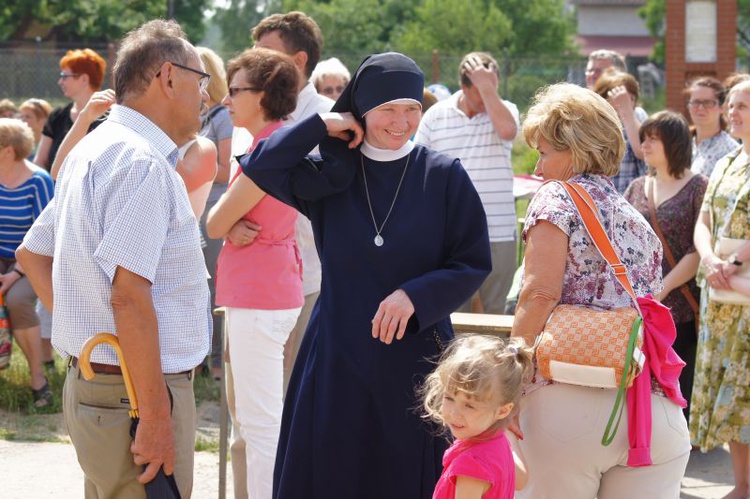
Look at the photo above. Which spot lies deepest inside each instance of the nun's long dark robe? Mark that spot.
(351, 427)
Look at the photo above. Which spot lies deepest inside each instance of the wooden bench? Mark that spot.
(497, 325)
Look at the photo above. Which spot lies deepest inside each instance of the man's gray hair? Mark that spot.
(618, 60)
(142, 53)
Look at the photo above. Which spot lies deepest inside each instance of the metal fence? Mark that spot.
(520, 77)
(32, 70)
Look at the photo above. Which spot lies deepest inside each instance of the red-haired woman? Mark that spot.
(81, 74)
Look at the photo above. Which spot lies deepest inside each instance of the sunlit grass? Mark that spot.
(19, 420)
(15, 391)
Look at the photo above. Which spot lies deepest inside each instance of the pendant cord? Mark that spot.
(367, 193)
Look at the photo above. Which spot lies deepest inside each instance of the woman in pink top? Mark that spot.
(259, 274)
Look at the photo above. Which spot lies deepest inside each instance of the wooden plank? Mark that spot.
(499, 325)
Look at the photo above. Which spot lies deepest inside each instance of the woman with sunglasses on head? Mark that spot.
(81, 74)
(711, 142)
(259, 279)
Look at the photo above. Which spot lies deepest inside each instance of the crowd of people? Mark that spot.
(339, 219)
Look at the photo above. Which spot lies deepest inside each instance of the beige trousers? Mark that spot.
(96, 414)
(563, 427)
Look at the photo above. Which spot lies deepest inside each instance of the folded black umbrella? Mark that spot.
(162, 486)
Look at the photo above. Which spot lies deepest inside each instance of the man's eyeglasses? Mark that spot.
(705, 104)
(205, 77)
(235, 90)
(68, 75)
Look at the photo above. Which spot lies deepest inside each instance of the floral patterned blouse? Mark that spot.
(588, 279)
(710, 151)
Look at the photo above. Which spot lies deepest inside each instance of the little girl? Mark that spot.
(474, 389)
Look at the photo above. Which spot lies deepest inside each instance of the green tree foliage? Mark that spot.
(236, 21)
(95, 20)
(353, 28)
(456, 27)
(357, 26)
(743, 26)
(520, 27)
(653, 14)
(16, 15)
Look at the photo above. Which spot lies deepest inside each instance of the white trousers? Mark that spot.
(256, 350)
(563, 427)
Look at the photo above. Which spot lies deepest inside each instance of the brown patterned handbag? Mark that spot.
(590, 347)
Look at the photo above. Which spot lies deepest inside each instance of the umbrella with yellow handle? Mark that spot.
(162, 486)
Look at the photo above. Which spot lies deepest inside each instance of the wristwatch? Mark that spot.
(733, 260)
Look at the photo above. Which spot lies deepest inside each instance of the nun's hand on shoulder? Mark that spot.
(344, 126)
(392, 316)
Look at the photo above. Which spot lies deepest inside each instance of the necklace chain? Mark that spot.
(378, 237)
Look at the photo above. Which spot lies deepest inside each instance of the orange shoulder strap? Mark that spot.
(586, 209)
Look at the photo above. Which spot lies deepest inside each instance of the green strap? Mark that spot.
(609, 432)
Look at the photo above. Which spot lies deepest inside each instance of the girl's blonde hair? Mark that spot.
(483, 368)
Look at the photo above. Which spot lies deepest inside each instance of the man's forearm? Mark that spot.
(502, 119)
(138, 333)
(38, 270)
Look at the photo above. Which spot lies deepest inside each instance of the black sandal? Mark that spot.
(42, 396)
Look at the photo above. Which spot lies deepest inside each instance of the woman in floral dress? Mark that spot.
(720, 408)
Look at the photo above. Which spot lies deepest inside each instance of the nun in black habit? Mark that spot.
(402, 238)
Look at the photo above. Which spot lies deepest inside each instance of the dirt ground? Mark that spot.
(38, 461)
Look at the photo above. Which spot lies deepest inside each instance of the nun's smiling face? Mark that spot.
(391, 125)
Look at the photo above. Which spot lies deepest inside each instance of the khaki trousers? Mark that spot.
(563, 427)
(96, 414)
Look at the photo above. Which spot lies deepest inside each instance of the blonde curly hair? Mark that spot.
(481, 367)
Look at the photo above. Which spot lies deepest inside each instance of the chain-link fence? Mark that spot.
(520, 77)
(32, 70)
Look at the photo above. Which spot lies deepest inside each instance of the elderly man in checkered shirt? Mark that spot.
(119, 250)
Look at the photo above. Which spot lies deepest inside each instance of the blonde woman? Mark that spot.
(217, 127)
(579, 138)
(34, 112)
(24, 192)
(720, 408)
(330, 77)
